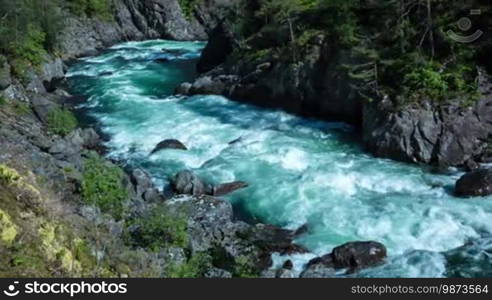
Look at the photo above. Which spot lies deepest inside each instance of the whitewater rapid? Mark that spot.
(299, 170)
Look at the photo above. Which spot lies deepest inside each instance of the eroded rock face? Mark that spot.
(313, 87)
(218, 48)
(450, 136)
(187, 183)
(5, 78)
(139, 20)
(474, 184)
(211, 227)
(142, 181)
(43, 105)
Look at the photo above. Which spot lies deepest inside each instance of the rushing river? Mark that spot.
(299, 170)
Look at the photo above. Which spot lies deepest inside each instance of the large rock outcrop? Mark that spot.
(312, 87)
(441, 135)
(212, 227)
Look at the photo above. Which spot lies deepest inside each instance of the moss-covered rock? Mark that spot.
(8, 175)
(8, 230)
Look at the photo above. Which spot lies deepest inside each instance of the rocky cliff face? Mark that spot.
(311, 86)
(138, 20)
(443, 136)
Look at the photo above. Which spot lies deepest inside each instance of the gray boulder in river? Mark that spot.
(475, 184)
(352, 256)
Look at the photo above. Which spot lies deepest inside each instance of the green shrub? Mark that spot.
(8, 175)
(31, 47)
(193, 268)
(20, 68)
(3, 100)
(188, 6)
(61, 122)
(160, 230)
(21, 108)
(244, 268)
(101, 9)
(426, 80)
(102, 186)
(439, 83)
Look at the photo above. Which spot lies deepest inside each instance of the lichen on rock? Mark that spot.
(8, 230)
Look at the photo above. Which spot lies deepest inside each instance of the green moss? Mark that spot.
(21, 108)
(102, 186)
(61, 122)
(8, 230)
(244, 268)
(3, 101)
(159, 230)
(31, 48)
(101, 9)
(438, 83)
(193, 268)
(46, 248)
(8, 175)
(188, 7)
(82, 253)
(60, 247)
(307, 37)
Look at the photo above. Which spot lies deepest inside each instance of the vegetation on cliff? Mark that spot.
(397, 48)
(102, 186)
(29, 29)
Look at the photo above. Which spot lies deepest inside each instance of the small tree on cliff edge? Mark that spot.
(281, 12)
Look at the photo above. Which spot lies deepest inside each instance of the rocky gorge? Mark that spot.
(447, 135)
(42, 172)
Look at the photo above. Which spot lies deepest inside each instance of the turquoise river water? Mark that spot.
(299, 170)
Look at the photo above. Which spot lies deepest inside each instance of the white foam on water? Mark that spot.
(299, 170)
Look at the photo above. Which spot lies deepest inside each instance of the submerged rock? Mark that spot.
(162, 60)
(174, 51)
(474, 259)
(475, 184)
(104, 74)
(169, 144)
(227, 188)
